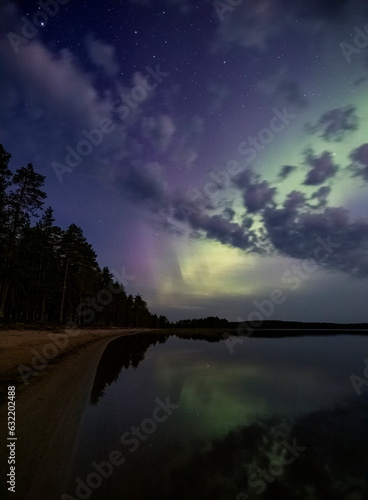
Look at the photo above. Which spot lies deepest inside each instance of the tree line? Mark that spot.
(50, 275)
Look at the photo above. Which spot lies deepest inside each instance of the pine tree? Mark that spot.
(47, 274)
(38, 269)
(22, 203)
(5, 181)
(79, 270)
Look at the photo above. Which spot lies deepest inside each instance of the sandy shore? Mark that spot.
(49, 403)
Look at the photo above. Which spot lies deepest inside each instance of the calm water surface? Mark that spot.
(277, 418)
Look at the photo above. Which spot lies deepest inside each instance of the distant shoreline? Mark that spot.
(18, 347)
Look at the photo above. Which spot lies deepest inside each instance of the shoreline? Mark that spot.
(49, 409)
(31, 348)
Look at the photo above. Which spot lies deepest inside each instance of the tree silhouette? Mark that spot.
(23, 202)
(51, 275)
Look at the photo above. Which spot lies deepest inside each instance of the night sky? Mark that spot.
(214, 153)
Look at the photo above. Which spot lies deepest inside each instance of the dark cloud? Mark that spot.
(229, 213)
(280, 222)
(216, 227)
(295, 229)
(145, 184)
(360, 159)
(244, 179)
(336, 123)
(298, 233)
(222, 230)
(319, 197)
(322, 169)
(286, 171)
(294, 200)
(258, 196)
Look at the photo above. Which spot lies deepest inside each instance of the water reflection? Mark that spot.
(327, 451)
(127, 352)
(123, 352)
(239, 415)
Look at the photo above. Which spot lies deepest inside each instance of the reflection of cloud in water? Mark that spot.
(333, 466)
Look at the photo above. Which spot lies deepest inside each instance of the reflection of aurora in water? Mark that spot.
(333, 465)
(235, 412)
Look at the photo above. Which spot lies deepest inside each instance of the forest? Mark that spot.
(50, 275)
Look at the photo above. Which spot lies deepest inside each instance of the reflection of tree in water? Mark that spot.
(333, 465)
(127, 352)
(209, 337)
(123, 352)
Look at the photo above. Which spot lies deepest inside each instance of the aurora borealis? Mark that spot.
(205, 148)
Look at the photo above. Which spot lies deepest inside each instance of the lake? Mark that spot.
(182, 418)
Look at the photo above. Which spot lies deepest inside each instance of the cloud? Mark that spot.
(244, 179)
(102, 55)
(185, 155)
(322, 169)
(256, 23)
(219, 228)
(283, 91)
(294, 228)
(294, 200)
(50, 91)
(144, 183)
(185, 149)
(159, 130)
(250, 24)
(286, 171)
(336, 123)
(297, 233)
(319, 197)
(258, 196)
(49, 99)
(360, 159)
